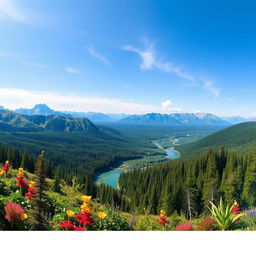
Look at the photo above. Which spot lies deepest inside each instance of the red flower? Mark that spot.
(236, 210)
(85, 219)
(184, 227)
(21, 182)
(31, 193)
(79, 229)
(162, 220)
(66, 224)
(14, 212)
(6, 166)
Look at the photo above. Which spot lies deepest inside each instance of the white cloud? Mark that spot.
(98, 56)
(150, 60)
(166, 105)
(10, 8)
(72, 70)
(16, 98)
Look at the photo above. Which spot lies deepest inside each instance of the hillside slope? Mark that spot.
(239, 138)
(11, 121)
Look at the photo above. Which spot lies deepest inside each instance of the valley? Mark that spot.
(165, 139)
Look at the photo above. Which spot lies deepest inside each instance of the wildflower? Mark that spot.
(79, 229)
(21, 182)
(24, 216)
(85, 219)
(66, 224)
(86, 208)
(6, 166)
(162, 218)
(21, 173)
(251, 213)
(236, 210)
(184, 227)
(102, 215)
(70, 213)
(31, 184)
(1, 173)
(14, 213)
(86, 199)
(31, 193)
(162, 213)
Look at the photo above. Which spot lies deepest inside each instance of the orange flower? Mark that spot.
(86, 199)
(86, 208)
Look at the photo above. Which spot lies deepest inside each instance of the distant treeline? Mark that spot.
(189, 185)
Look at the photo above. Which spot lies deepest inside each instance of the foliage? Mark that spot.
(224, 216)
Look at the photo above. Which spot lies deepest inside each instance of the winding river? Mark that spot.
(111, 176)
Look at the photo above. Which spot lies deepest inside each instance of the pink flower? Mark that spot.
(185, 227)
(14, 212)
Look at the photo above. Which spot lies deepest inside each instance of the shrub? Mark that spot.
(208, 224)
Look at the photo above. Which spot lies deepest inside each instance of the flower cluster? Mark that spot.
(14, 213)
(31, 190)
(162, 218)
(251, 213)
(185, 227)
(21, 181)
(6, 168)
(84, 218)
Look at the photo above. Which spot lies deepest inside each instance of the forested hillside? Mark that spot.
(239, 138)
(11, 121)
(189, 185)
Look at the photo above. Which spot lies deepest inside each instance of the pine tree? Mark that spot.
(249, 189)
(39, 200)
(56, 184)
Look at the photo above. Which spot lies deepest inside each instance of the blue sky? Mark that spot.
(129, 56)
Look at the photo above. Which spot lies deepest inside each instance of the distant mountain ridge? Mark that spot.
(39, 109)
(144, 119)
(11, 121)
(239, 138)
(43, 109)
(175, 119)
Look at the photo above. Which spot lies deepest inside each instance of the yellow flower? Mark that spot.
(86, 208)
(31, 184)
(162, 213)
(70, 213)
(102, 215)
(1, 173)
(21, 172)
(24, 216)
(86, 199)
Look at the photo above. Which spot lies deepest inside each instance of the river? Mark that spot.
(110, 177)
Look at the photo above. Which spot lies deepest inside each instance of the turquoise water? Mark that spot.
(172, 154)
(111, 177)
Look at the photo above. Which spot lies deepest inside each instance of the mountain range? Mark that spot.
(145, 119)
(11, 121)
(174, 119)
